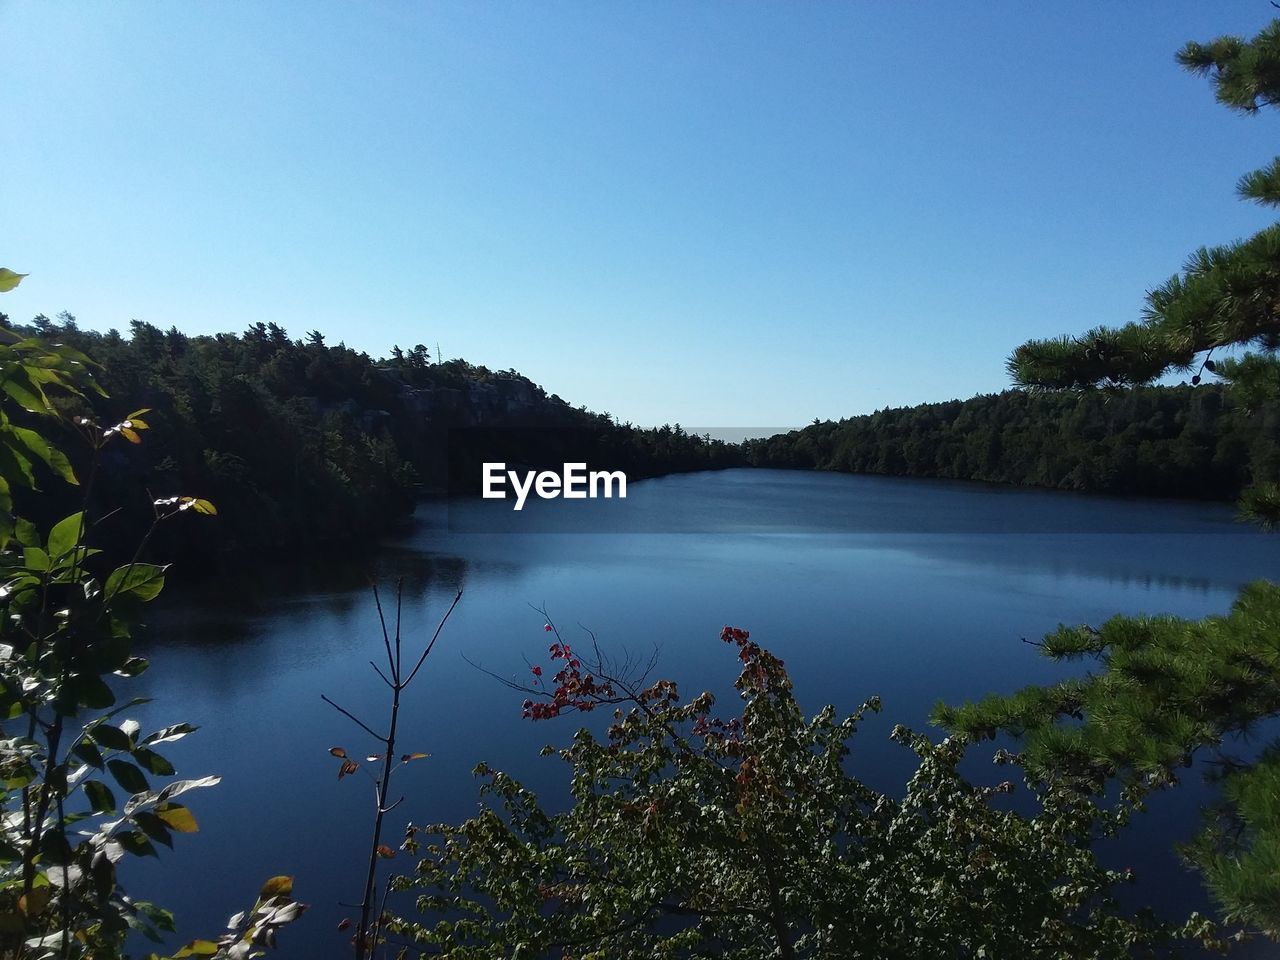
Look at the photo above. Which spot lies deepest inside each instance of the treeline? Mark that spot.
(302, 443)
(1192, 442)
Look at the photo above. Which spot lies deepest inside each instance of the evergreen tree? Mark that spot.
(1225, 296)
(1169, 690)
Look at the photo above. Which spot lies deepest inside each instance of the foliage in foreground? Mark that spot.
(67, 614)
(693, 836)
(1168, 690)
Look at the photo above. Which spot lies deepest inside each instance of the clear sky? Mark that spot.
(721, 213)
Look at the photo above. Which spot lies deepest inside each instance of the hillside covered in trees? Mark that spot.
(304, 443)
(1194, 442)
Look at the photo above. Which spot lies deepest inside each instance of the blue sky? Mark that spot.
(723, 214)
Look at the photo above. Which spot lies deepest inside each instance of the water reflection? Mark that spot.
(914, 615)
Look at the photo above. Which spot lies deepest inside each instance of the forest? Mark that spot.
(1195, 442)
(278, 431)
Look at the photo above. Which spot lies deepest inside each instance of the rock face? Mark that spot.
(463, 401)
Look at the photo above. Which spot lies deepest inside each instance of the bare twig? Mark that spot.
(379, 672)
(382, 621)
(370, 928)
(443, 621)
(351, 716)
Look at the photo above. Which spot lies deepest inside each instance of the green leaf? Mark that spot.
(22, 389)
(9, 279)
(197, 948)
(87, 752)
(153, 762)
(74, 558)
(35, 559)
(15, 464)
(137, 844)
(87, 689)
(128, 776)
(113, 738)
(154, 828)
(27, 533)
(19, 777)
(36, 446)
(55, 848)
(133, 666)
(65, 535)
(100, 796)
(142, 580)
(60, 465)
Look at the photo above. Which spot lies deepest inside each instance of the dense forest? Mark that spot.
(1184, 441)
(304, 443)
(279, 432)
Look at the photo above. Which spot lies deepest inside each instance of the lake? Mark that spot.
(911, 590)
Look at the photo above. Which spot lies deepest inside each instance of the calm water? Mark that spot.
(923, 592)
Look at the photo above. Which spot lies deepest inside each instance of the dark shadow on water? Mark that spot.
(241, 605)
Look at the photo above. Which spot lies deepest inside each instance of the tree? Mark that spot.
(692, 835)
(1168, 690)
(1225, 296)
